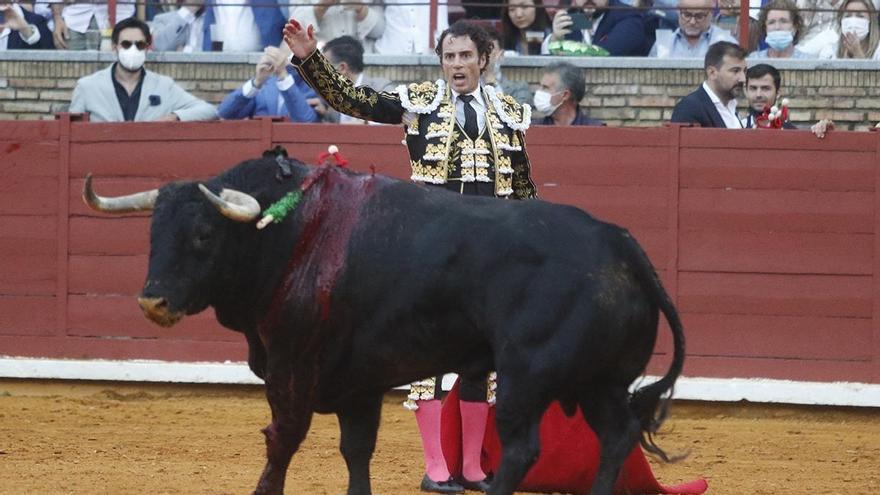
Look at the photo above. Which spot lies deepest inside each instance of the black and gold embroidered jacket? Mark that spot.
(440, 151)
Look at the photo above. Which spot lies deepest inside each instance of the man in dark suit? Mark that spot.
(21, 29)
(611, 24)
(713, 104)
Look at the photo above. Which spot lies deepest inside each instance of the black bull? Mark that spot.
(371, 283)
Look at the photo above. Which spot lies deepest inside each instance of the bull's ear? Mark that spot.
(233, 204)
(141, 201)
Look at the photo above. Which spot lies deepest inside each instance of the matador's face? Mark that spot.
(461, 63)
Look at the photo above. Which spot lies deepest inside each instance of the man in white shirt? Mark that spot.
(713, 104)
(693, 36)
(406, 28)
(72, 20)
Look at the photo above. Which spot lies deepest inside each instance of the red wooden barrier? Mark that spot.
(766, 240)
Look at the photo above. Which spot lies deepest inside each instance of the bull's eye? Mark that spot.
(201, 241)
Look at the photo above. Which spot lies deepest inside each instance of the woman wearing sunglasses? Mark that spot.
(126, 92)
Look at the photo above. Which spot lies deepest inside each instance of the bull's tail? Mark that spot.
(647, 402)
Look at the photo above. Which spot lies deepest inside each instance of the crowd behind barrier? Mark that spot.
(580, 32)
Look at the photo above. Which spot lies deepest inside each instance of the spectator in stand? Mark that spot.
(524, 25)
(480, 9)
(181, 29)
(126, 92)
(562, 89)
(763, 82)
(819, 32)
(73, 20)
(713, 104)
(406, 27)
(780, 26)
(21, 29)
(334, 18)
(242, 26)
(694, 35)
(346, 54)
(612, 26)
(859, 34)
(492, 75)
(275, 89)
(727, 18)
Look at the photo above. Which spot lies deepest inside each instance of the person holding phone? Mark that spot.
(610, 24)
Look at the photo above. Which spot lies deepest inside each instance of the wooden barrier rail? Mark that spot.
(766, 240)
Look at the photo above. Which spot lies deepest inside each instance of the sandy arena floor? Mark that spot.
(109, 438)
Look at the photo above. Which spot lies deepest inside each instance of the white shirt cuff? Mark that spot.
(286, 83)
(187, 15)
(249, 90)
(35, 38)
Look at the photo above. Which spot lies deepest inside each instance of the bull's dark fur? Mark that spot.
(563, 306)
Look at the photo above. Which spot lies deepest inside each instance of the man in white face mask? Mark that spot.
(126, 92)
(562, 88)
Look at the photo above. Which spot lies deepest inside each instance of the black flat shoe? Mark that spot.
(477, 486)
(448, 486)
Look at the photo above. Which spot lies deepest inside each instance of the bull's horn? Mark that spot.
(120, 204)
(233, 204)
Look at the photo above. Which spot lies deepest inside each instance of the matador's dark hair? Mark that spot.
(473, 31)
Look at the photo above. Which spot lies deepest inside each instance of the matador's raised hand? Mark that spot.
(301, 42)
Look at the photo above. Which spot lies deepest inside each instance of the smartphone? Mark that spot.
(579, 23)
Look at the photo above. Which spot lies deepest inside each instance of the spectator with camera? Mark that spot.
(610, 24)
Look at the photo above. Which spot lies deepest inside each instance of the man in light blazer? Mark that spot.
(126, 92)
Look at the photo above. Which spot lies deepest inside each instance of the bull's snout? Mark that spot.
(156, 310)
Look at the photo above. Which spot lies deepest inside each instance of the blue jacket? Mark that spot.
(267, 15)
(46, 43)
(622, 32)
(265, 102)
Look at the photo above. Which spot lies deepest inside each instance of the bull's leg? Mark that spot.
(290, 398)
(609, 415)
(359, 424)
(517, 418)
(256, 354)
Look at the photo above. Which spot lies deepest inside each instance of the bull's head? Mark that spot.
(186, 242)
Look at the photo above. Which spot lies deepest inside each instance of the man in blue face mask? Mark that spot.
(781, 25)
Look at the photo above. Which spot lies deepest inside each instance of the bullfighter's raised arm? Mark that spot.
(362, 102)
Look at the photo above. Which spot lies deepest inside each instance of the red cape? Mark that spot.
(569, 456)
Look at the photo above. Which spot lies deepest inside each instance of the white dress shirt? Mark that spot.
(406, 27)
(728, 112)
(479, 105)
(78, 15)
(237, 28)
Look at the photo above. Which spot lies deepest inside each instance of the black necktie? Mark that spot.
(470, 116)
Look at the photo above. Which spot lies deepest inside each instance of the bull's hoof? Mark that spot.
(448, 486)
(477, 486)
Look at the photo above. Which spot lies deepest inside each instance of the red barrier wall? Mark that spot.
(766, 240)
